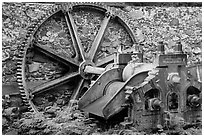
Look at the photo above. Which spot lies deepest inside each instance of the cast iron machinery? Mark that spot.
(85, 52)
(153, 93)
(66, 49)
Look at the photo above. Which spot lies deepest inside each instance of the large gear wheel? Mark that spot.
(58, 47)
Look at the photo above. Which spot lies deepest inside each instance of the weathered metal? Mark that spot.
(180, 95)
(153, 93)
(71, 45)
(106, 90)
(177, 87)
(65, 51)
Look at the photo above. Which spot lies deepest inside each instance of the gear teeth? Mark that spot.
(56, 8)
(25, 102)
(49, 13)
(23, 97)
(19, 74)
(19, 71)
(21, 51)
(18, 68)
(26, 43)
(52, 11)
(19, 59)
(19, 79)
(75, 3)
(19, 63)
(21, 88)
(20, 84)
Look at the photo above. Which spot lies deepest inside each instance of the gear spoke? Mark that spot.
(98, 37)
(54, 83)
(33, 108)
(77, 90)
(74, 31)
(78, 39)
(55, 56)
(76, 93)
(71, 33)
(105, 60)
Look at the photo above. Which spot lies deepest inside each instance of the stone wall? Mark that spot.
(150, 24)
